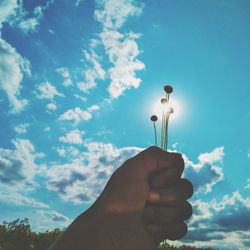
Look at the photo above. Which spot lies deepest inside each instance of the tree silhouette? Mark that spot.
(17, 235)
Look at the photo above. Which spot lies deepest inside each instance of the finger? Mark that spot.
(165, 178)
(170, 160)
(172, 196)
(162, 214)
(172, 231)
(154, 158)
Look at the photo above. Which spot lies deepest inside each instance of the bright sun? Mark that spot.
(174, 103)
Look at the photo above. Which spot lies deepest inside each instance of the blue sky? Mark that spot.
(79, 81)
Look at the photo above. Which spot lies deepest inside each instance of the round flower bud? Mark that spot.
(171, 110)
(168, 89)
(154, 118)
(164, 100)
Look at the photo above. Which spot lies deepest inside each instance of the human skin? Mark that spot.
(143, 203)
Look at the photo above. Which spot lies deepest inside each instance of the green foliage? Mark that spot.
(17, 235)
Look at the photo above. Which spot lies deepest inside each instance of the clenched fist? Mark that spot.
(143, 203)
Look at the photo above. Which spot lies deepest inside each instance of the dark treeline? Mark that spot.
(17, 235)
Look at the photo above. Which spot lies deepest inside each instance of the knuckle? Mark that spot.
(178, 160)
(188, 186)
(129, 161)
(182, 231)
(153, 149)
(188, 210)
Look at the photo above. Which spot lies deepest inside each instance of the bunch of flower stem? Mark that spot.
(164, 130)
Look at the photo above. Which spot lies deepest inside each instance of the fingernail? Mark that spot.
(153, 196)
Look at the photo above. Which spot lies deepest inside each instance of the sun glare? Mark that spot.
(159, 108)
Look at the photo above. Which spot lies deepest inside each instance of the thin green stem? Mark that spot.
(162, 131)
(155, 135)
(166, 133)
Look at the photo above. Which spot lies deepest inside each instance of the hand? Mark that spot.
(143, 202)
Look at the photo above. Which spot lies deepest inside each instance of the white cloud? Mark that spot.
(248, 184)
(121, 49)
(68, 152)
(27, 22)
(51, 31)
(93, 73)
(99, 162)
(83, 179)
(51, 106)
(12, 65)
(207, 172)
(216, 155)
(47, 129)
(83, 99)
(67, 82)
(47, 91)
(78, 2)
(17, 166)
(72, 137)
(93, 108)
(7, 8)
(224, 223)
(22, 128)
(77, 115)
(48, 218)
(61, 151)
(113, 13)
(12, 69)
(20, 200)
(64, 72)
(17, 172)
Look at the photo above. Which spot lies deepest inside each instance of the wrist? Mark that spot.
(87, 232)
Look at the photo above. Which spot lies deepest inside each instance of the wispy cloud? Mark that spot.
(68, 152)
(12, 65)
(73, 137)
(101, 161)
(64, 72)
(47, 91)
(220, 223)
(12, 69)
(48, 218)
(18, 166)
(20, 200)
(113, 13)
(93, 73)
(7, 9)
(122, 49)
(207, 172)
(22, 128)
(77, 114)
(27, 22)
(83, 179)
(248, 184)
(51, 106)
